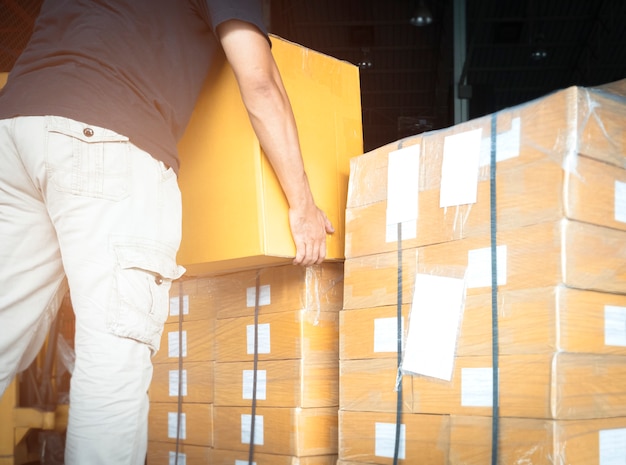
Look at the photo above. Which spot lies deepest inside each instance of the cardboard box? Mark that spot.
(317, 288)
(228, 457)
(370, 386)
(545, 320)
(371, 332)
(234, 211)
(559, 156)
(541, 191)
(551, 386)
(197, 301)
(558, 386)
(280, 383)
(196, 423)
(197, 382)
(300, 334)
(366, 437)
(538, 442)
(197, 342)
(163, 453)
(281, 431)
(578, 255)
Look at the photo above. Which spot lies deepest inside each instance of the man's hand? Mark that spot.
(309, 227)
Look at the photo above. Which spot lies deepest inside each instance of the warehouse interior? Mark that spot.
(407, 76)
(424, 73)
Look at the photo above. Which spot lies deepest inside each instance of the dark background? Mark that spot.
(409, 87)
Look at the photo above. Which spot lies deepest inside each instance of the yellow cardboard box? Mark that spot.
(559, 156)
(198, 342)
(366, 437)
(370, 386)
(197, 301)
(537, 442)
(300, 334)
(234, 212)
(282, 288)
(575, 254)
(545, 320)
(196, 384)
(196, 423)
(371, 332)
(230, 457)
(280, 383)
(282, 431)
(164, 453)
(558, 386)
(588, 191)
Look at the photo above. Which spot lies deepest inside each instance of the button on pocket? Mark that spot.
(88, 132)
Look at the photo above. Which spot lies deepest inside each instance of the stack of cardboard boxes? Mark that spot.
(560, 253)
(296, 319)
(241, 295)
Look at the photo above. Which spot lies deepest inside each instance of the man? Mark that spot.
(89, 121)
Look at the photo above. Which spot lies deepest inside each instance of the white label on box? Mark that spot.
(175, 305)
(248, 383)
(172, 425)
(386, 440)
(620, 201)
(459, 170)
(614, 326)
(264, 296)
(479, 266)
(477, 387)
(409, 231)
(243, 462)
(182, 458)
(507, 144)
(246, 429)
(433, 326)
(172, 343)
(386, 334)
(264, 339)
(174, 383)
(612, 444)
(403, 185)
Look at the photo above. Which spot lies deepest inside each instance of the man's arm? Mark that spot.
(271, 115)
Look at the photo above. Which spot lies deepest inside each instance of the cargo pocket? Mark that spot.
(140, 299)
(87, 160)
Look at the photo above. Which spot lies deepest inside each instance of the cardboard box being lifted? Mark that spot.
(234, 211)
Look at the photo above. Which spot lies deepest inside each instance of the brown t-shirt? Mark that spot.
(132, 66)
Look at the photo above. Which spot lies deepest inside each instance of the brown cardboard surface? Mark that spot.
(558, 386)
(198, 380)
(360, 441)
(370, 333)
(536, 442)
(298, 334)
(541, 320)
(283, 288)
(198, 423)
(575, 254)
(284, 383)
(536, 192)
(281, 431)
(197, 302)
(164, 453)
(199, 345)
(228, 457)
(370, 386)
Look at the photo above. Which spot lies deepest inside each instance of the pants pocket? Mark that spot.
(140, 298)
(87, 160)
